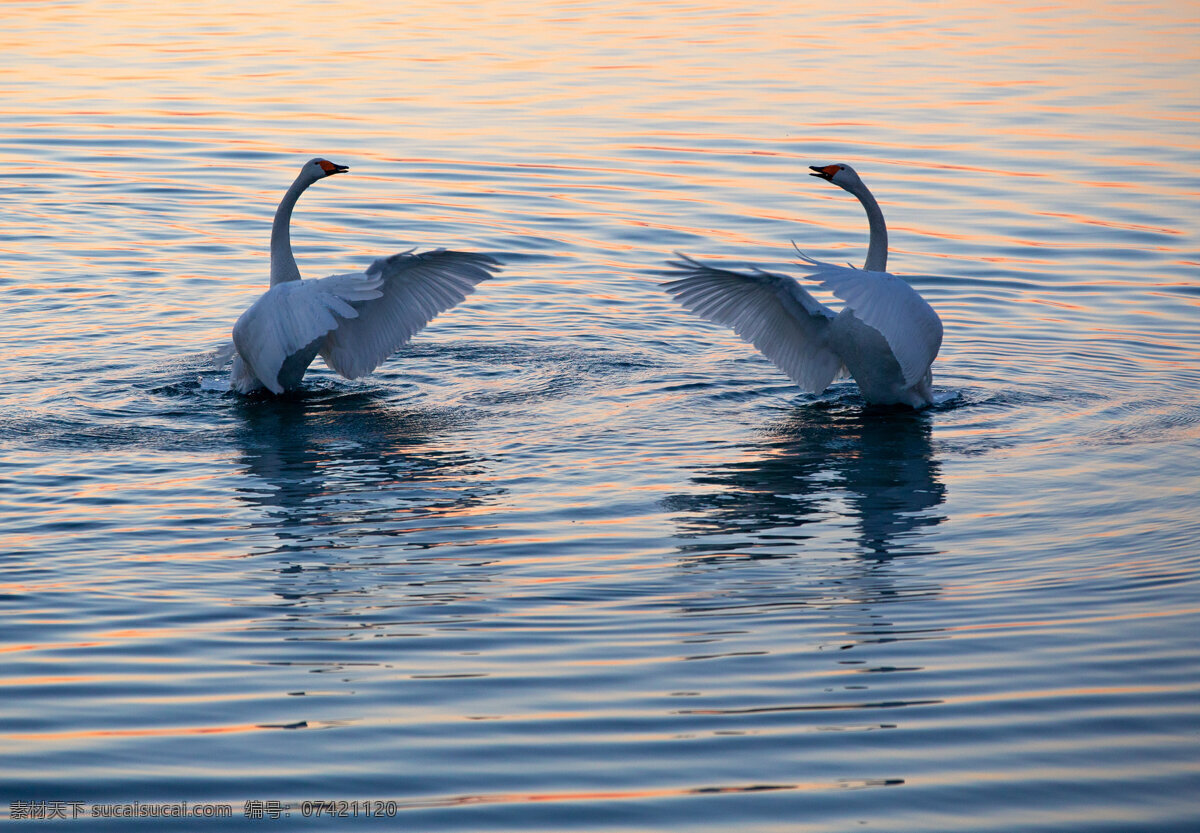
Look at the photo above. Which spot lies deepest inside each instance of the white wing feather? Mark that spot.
(890, 305)
(413, 288)
(770, 311)
(291, 315)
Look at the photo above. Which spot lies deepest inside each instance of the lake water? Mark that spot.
(575, 559)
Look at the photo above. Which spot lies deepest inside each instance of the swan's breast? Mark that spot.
(866, 354)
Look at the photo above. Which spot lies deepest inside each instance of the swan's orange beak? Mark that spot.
(825, 172)
(330, 169)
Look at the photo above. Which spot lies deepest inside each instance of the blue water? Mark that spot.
(574, 559)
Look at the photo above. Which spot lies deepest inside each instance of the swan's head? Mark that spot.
(839, 174)
(319, 168)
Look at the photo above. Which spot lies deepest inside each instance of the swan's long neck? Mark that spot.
(877, 249)
(283, 264)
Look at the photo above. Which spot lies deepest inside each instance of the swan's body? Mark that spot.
(354, 321)
(886, 337)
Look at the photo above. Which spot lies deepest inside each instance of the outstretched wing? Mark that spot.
(890, 305)
(292, 315)
(413, 288)
(770, 311)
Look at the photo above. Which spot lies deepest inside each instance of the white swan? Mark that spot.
(885, 337)
(354, 321)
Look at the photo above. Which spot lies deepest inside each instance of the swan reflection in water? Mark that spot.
(337, 468)
(875, 468)
(355, 508)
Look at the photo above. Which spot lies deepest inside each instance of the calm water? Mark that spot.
(574, 559)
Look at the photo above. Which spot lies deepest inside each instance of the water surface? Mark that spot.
(574, 559)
